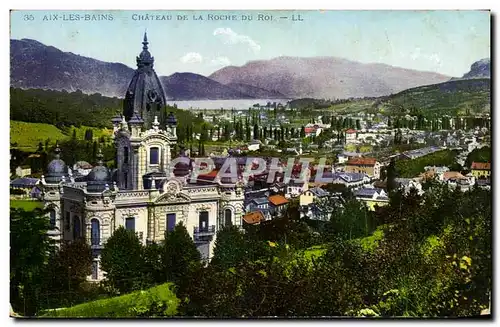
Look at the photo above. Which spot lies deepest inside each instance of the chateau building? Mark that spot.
(143, 193)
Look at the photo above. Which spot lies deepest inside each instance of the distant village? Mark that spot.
(357, 148)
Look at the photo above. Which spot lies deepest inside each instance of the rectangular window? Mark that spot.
(52, 218)
(125, 154)
(130, 224)
(203, 220)
(154, 156)
(170, 222)
(95, 269)
(66, 221)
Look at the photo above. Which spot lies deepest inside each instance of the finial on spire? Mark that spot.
(57, 151)
(145, 41)
(99, 157)
(156, 124)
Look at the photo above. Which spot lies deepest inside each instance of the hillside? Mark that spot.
(61, 108)
(26, 136)
(189, 86)
(35, 65)
(256, 92)
(452, 97)
(325, 77)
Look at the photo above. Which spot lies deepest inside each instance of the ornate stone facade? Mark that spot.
(143, 194)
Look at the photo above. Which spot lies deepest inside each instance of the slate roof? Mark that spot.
(23, 182)
(319, 192)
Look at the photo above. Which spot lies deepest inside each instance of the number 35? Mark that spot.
(29, 17)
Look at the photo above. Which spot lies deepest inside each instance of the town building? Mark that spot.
(481, 169)
(372, 197)
(22, 171)
(350, 136)
(368, 166)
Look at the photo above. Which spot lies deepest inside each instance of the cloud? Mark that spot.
(229, 36)
(191, 58)
(220, 61)
(417, 54)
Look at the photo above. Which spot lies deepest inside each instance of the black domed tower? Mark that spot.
(145, 93)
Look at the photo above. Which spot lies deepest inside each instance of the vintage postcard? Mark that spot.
(243, 164)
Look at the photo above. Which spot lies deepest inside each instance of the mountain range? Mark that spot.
(35, 65)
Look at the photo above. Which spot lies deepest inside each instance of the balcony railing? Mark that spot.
(96, 243)
(204, 234)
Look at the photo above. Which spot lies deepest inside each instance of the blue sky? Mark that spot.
(447, 42)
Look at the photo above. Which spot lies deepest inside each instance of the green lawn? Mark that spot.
(27, 205)
(142, 303)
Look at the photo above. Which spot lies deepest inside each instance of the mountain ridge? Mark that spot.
(35, 65)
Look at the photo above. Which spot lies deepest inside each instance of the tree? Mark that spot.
(256, 132)
(30, 248)
(302, 132)
(391, 174)
(152, 268)
(180, 257)
(229, 248)
(67, 271)
(121, 259)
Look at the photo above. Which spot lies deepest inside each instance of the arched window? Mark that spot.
(95, 232)
(154, 156)
(228, 217)
(52, 219)
(76, 227)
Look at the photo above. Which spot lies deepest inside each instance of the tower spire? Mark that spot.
(57, 151)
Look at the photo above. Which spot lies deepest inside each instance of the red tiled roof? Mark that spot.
(350, 131)
(254, 217)
(310, 130)
(453, 175)
(481, 166)
(277, 199)
(362, 161)
(211, 174)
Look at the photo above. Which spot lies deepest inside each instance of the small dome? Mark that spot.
(171, 120)
(56, 169)
(99, 176)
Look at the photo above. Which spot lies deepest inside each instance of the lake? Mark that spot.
(238, 104)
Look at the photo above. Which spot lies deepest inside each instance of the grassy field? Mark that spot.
(27, 205)
(28, 135)
(142, 303)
